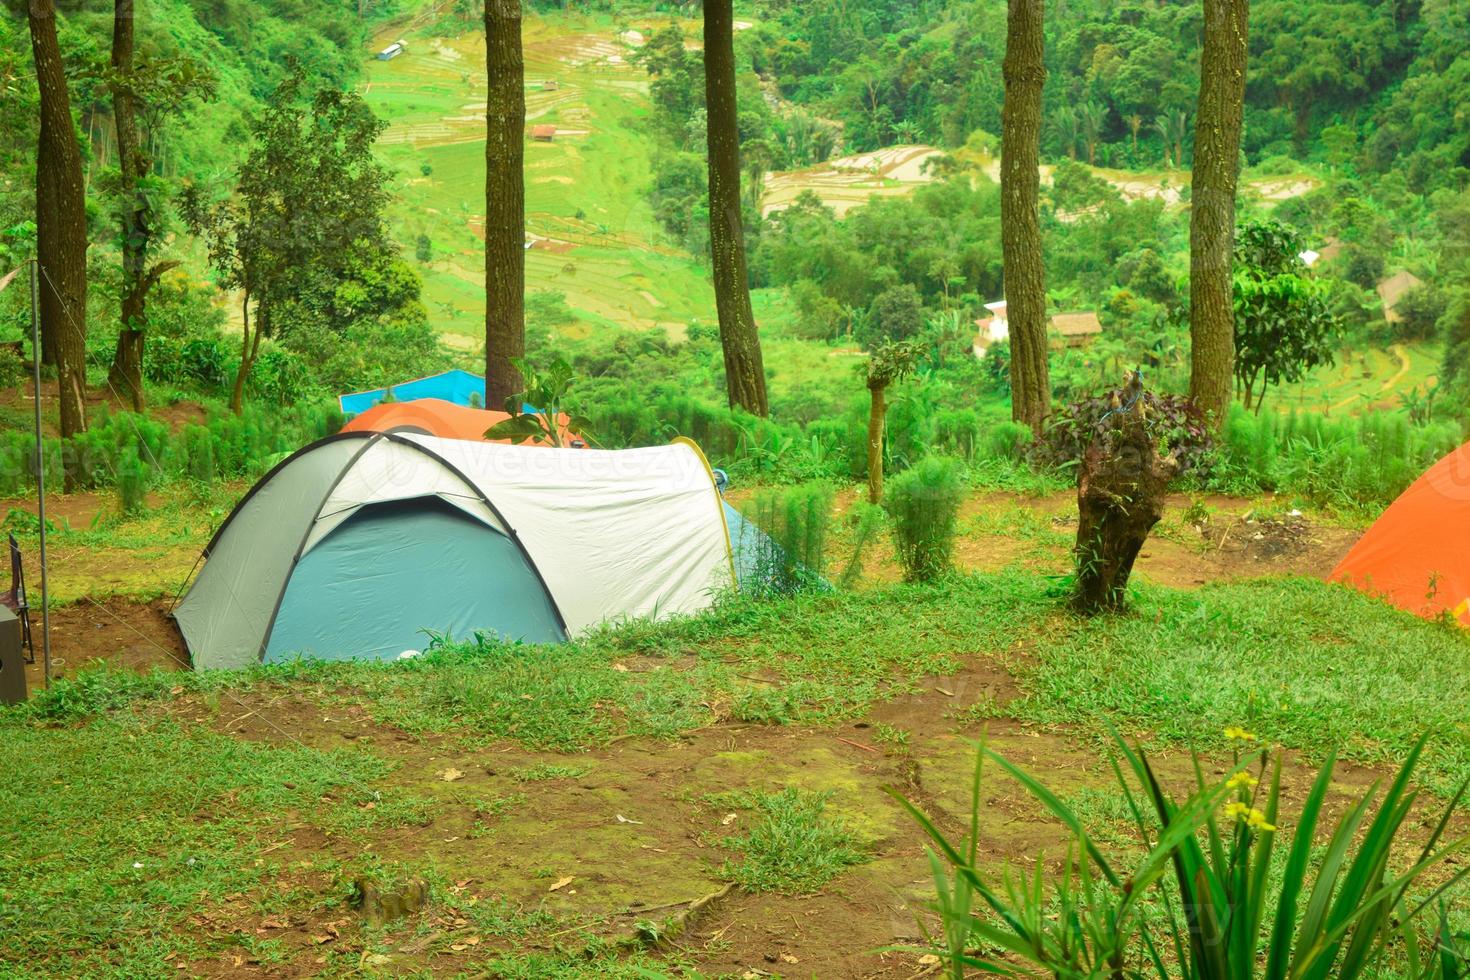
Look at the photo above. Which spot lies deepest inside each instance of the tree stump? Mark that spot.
(1121, 486)
(382, 903)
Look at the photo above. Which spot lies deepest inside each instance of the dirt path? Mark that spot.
(1405, 365)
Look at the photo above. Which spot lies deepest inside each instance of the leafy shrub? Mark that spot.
(280, 377)
(227, 446)
(13, 367)
(795, 521)
(866, 519)
(1008, 440)
(1343, 462)
(1172, 420)
(924, 501)
(132, 483)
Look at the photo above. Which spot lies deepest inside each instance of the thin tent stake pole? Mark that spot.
(40, 467)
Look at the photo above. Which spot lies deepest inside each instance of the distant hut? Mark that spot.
(1076, 329)
(391, 51)
(543, 134)
(1392, 289)
(550, 85)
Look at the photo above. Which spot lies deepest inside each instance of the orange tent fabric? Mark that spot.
(1417, 555)
(446, 420)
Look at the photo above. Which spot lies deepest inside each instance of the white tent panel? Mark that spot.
(390, 470)
(615, 534)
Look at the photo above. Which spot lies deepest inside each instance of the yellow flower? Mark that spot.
(1248, 815)
(1237, 732)
(1242, 780)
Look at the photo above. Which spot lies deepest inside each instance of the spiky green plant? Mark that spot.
(1343, 915)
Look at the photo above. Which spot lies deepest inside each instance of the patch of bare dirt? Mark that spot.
(120, 633)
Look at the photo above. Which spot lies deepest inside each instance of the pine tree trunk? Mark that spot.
(877, 411)
(745, 377)
(1212, 213)
(1020, 219)
(61, 223)
(126, 373)
(505, 202)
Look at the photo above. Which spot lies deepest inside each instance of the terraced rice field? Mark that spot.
(591, 233)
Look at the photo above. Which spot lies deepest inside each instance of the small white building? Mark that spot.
(992, 331)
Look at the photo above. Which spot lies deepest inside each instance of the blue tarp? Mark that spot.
(452, 386)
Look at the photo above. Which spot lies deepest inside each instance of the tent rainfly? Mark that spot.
(436, 417)
(357, 546)
(1417, 554)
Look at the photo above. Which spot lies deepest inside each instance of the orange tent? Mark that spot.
(435, 417)
(1417, 555)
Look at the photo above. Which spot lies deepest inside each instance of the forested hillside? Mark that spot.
(1355, 148)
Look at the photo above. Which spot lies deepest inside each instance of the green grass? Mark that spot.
(1303, 663)
(103, 772)
(1298, 662)
(116, 831)
(794, 848)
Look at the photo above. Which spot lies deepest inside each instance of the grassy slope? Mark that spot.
(609, 262)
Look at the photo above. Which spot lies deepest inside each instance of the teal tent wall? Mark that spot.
(370, 588)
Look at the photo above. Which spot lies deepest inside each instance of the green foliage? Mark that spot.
(795, 847)
(1337, 911)
(546, 391)
(1348, 463)
(924, 502)
(302, 234)
(896, 314)
(866, 520)
(1283, 327)
(133, 452)
(796, 521)
(132, 483)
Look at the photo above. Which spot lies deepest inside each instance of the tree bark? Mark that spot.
(126, 373)
(505, 202)
(249, 346)
(877, 411)
(1212, 213)
(745, 377)
(1020, 218)
(1121, 488)
(61, 223)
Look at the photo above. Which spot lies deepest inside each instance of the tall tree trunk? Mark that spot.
(505, 202)
(249, 346)
(877, 411)
(126, 373)
(61, 222)
(1212, 213)
(1020, 219)
(745, 376)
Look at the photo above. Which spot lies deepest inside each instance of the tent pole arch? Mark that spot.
(316, 512)
(719, 505)
(370, 439)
